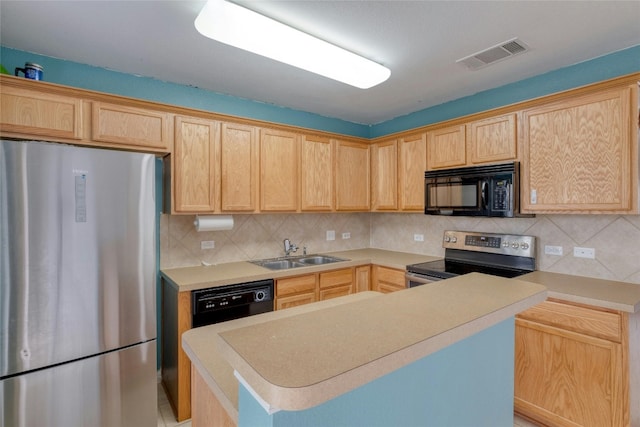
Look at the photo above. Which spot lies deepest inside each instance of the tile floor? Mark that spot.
(166, 418)
(165, 414)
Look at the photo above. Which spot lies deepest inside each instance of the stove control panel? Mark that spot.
(507, 244)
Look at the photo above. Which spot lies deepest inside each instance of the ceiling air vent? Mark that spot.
(494, 54)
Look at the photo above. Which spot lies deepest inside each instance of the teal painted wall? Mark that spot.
(99, 79)
(605, 67)
(93, 78)
(469, 383)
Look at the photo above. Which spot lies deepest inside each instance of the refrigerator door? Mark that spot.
(114, 389)
(77, 253)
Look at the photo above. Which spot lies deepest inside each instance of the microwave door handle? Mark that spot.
(484, 194)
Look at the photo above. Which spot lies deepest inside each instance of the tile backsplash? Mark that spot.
(615, 238)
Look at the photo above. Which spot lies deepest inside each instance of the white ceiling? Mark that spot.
(418, 40)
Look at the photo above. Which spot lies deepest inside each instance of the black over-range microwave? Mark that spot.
(492, 190)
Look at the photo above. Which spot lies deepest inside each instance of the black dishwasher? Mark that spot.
(222, 303)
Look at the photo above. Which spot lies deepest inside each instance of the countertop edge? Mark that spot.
(301, 398)
(600, 303)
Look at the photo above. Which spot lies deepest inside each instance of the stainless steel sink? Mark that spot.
(319, 259)
(296, 262)
(278, 264)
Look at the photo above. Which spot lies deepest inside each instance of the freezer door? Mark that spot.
(114, 389)
(77, 253)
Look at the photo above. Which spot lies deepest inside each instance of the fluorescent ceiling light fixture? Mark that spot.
(237, 26)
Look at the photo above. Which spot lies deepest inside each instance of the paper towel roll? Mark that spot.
(213, 222)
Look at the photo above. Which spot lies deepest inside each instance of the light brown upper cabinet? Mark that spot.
(446, 147)
(29, 112)
(581, 154)
(316, 173)
(492, 140)
(130, 126)
(279, 158)
(352, 176)
(194, 162)
(384, 175)
(481, 141)
(238, 167)
(411, 166)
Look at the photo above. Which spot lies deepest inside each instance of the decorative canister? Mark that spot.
(31, 71)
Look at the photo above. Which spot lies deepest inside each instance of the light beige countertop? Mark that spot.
(204, 350)
(201, 277)
(603, 293)
(300, 360)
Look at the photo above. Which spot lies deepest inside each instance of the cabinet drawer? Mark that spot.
(296, 285)
(336, 278)
(589, 321)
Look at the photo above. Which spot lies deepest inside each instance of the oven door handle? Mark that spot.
(419, 279)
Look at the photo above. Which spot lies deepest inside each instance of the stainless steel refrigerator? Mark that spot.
(77, 286)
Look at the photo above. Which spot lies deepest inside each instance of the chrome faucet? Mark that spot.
(289, 247)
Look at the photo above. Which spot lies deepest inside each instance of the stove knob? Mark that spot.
(447, 238)
(454, 239)
(515, 245)
(505, 244)
(524, 246)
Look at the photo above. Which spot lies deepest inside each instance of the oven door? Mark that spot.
(412, 280)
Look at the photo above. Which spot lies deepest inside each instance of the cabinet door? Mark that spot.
(363, 278)
(130, 126)
(384, 176)
(492, 140)
(387, 280)
(336, 283)
(412, 164)
(446, 147)
(279, 160)
(316, 174)
(565, 378)
(293, 291)
(578, 155)
(34, 113)
(194, 160)
(238, 167)
(352, 176)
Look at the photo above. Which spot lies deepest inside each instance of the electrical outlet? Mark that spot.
(584, 252)
(207, 244)
(418, 237)
(346, 235)
(553, 250)
(331, 235)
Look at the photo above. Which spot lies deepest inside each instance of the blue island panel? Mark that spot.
(469, 383)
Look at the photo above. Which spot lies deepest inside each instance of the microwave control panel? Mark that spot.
(501, 200)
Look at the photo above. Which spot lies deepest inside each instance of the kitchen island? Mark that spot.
(424, 355)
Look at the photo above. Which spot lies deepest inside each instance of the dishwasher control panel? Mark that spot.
(229, 302)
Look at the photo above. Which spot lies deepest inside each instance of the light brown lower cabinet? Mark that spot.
(206, 409)
(308, 288)
(337, 283)
(385, 279)
(294, 291)
(572, 365)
